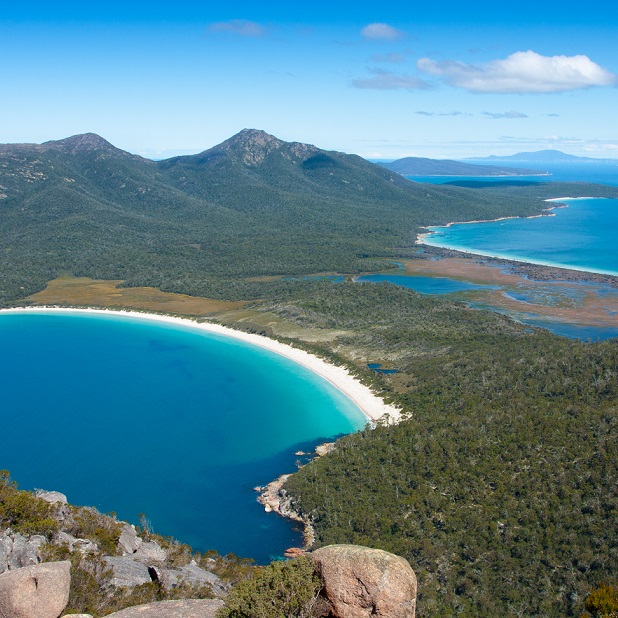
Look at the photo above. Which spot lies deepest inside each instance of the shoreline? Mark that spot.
(475, 176)
(420, 237)
(423, 237)
(370, 405)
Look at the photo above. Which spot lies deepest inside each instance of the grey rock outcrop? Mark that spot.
(192, 608)
(51, 496)
(4, 557)
(40, 590)
(127, 572)
(360, 582)
(129, 542)
(193, 575)
(17, 551)
(84, 546)
(150, 552)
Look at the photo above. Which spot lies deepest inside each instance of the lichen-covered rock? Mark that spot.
(17, 551)
(191, 608)
(23, 554)
(85, 546)
(127, 572)
(6, 549)
(360, 582)
(40, 590)
(150, 552)
(193, 575)
(129, 542)
(51, 496)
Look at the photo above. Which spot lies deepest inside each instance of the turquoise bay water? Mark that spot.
(135, 416)
(581, 236)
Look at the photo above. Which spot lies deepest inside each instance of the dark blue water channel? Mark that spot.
(135, 416)
(425, 285)
(549, 295)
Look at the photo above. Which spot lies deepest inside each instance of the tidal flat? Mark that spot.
(558, 297)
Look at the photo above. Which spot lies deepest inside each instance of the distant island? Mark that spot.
(419, 166)
(542, 156)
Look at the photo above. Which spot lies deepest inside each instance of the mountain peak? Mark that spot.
(80, 143)
(252, 146)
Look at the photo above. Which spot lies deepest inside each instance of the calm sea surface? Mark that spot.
(581, 236)
(141, 417)
(602, 173)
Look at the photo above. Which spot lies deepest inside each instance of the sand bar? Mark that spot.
(370, 405)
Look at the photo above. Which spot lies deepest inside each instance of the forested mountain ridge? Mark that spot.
(250, 207)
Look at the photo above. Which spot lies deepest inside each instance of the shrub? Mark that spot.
(280, 590)
(602, 602)
(22, 511)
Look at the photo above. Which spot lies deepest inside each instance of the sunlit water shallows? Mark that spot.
(581, 236)
(136, 417)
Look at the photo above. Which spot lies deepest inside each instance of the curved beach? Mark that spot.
(427, 238)
(370, 405)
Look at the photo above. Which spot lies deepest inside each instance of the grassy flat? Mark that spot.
(100, 293)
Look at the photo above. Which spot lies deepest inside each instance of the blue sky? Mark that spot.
(442, 79)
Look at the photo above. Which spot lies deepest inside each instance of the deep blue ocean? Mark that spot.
(136, 417)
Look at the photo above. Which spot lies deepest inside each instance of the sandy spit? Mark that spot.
(370, 405)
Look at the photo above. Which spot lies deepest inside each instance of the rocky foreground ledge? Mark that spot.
(57, 559)
(357, 583)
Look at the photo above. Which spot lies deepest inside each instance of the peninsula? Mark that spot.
(418, 166)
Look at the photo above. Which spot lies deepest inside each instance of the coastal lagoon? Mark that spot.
(135, 416)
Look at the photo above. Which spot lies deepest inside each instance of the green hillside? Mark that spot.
(250, 207)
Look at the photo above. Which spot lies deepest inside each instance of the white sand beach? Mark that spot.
(371, 405)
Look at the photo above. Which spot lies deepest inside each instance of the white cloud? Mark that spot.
(522, 72)
(242, 27)
(385, 80)
(392, 58)
(505, 115)
(381, 31)
(453, 113)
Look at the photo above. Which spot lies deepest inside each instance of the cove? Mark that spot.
(134, 416)
(579, 237)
